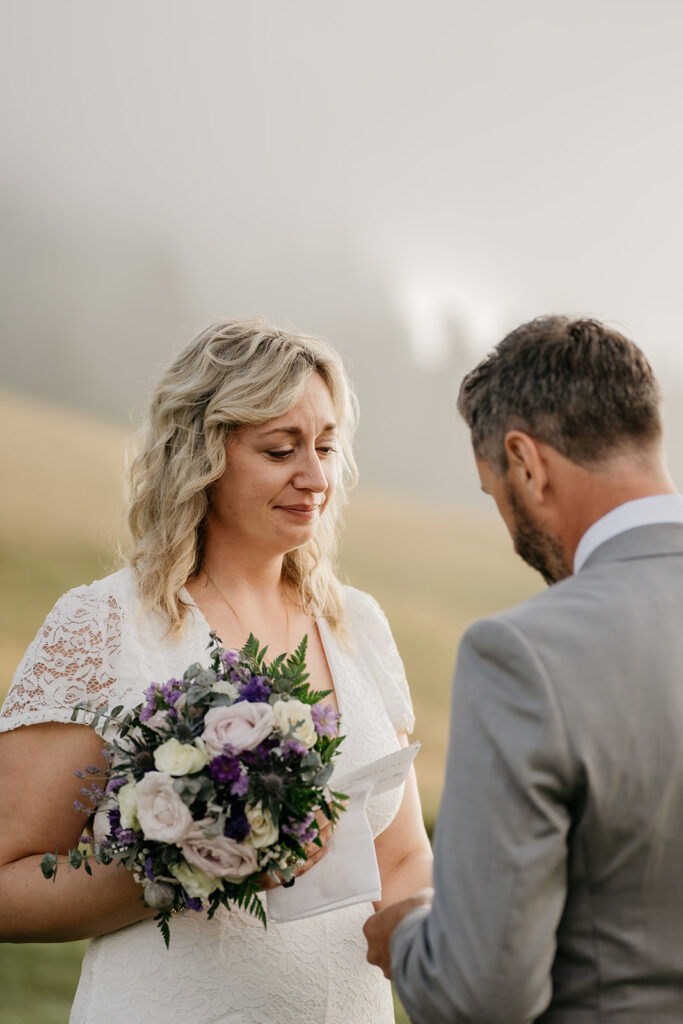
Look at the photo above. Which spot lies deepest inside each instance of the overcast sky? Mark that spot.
(474, 164)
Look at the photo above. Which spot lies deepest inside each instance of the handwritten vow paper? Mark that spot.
(349, 872)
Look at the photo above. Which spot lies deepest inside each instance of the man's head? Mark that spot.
(554, 410)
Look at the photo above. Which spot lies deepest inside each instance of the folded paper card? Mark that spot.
(348, 873)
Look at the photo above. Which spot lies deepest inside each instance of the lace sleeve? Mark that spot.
(73, 657)
(377, 647)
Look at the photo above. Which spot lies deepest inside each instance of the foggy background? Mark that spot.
(408, 180)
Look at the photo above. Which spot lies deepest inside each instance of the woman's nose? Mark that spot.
(310, 475)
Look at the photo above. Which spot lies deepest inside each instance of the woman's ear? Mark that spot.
(526, 464)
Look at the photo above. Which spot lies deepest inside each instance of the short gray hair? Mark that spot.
(575, 384)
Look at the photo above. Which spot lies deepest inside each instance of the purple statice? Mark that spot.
(255, 691)
(127, 837)
(150, 694)
(230, 657)
(237, 827)
(149, 870)
(190, 902)
(325, 720)
(293, 748)
(171, 691)
(301, 830)
(240, 786)
(114, 815)
(116, 783)
(224, 768)
(255, 758)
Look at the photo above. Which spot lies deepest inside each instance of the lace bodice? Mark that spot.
(98, 643)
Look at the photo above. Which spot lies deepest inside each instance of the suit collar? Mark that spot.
(647, 511)
(651, 541)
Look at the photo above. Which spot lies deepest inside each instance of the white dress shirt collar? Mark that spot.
(659, 508)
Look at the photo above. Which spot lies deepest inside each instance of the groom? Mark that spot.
(559, 844)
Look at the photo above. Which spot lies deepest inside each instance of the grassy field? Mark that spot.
(434, 570)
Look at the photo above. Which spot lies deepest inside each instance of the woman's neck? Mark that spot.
(242, 573)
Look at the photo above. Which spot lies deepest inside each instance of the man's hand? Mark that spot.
(379, 928)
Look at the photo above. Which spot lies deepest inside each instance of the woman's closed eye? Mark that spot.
(282, 453)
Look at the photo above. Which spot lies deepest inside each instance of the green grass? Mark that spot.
(38, 981)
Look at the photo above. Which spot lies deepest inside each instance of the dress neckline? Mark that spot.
(326, 641)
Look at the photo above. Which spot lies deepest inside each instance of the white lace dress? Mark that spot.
(96, 643)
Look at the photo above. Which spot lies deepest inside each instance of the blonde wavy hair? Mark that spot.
(234, 373)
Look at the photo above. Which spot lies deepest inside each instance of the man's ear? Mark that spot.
(526, 465)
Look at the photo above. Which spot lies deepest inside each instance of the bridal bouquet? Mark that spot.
(214, 780)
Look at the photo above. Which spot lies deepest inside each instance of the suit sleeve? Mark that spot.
(483, 953)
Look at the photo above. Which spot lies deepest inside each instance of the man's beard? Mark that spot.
(536, 546)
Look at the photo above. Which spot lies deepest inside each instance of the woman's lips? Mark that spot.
(301, 511)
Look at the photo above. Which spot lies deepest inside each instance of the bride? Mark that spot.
(235, 501)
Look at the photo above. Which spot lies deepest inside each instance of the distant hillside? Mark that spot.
(433, 568)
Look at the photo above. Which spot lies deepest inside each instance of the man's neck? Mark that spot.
(591, 494)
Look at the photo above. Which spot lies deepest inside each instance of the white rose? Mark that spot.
(128, 805)
(242, 726)
(218, 856)
(176, 758)
(161, 812)
(295, 716)
(263, 832)
(194, 881)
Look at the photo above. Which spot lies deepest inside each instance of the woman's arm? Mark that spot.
(37, 792)
(403, 851)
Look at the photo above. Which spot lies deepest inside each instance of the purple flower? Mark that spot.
(126, 837)
(224, 768)
(150, 707)
(116, 783)
(149, 871)
(190, 902)
(78, 806)
(240, 786)
(293, 748)
(230, 657)
(255, 758)
(171, 691)
(255, 691)
(325, 720)
(301, 830)
(237, 828)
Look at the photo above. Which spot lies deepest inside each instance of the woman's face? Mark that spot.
(279, 476)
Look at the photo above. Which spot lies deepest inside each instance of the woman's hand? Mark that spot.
(314, 853)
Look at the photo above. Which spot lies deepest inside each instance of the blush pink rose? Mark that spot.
(218, 856)
(243, 725)
(161, 812)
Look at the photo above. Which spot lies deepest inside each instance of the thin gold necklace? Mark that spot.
(234, 610)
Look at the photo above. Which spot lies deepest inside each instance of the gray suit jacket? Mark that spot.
(559, 843)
